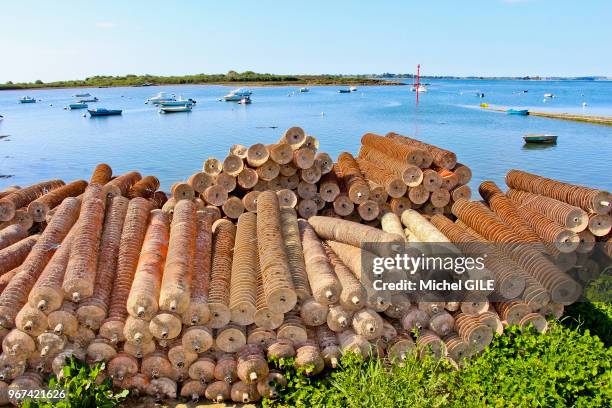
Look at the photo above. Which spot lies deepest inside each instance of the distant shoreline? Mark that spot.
(236, 84)
(232, 78)
(249, 78)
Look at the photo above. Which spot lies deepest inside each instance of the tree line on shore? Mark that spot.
(230, 77)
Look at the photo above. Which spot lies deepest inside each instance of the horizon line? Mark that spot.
(375, 75)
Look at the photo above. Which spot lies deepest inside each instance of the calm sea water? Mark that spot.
(45, 141)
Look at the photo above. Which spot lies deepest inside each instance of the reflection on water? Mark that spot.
(539, 146)
(174, 146)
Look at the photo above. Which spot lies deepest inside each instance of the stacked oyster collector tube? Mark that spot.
(258, 256)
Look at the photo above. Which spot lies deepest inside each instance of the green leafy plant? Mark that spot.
(523, 368)
(596, 317)
(83, 390)
(596, 313)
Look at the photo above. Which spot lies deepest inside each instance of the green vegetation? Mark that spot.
(564, 367)
(232, 77)
(83, 390)
(595, 315)
(569, 366)
(595, 318)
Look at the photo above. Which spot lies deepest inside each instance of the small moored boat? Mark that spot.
(161, 97)
(177, 102)
(549, 95)
(520, 112)
(94, 99)
(237, 94)
(27, 99)
(79, 105)
(175, 109)
(82, 95)
(104, 112)
(304, 89)
(540, 138)
(344, 91)
(245, 101)
(353, 88)
(420, 88)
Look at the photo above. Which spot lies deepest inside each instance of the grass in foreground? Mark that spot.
(569, 366)
(561, 368)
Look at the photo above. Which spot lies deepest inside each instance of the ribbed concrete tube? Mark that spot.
(143, 299)
(82, 265)
(243, 284)
(224, 233)
(178, 268)
(326, 287)
(92, 311)
(275, 270)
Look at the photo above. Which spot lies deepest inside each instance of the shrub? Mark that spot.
(522, 368)
(593, 316)
(82, 389)
(560, 368)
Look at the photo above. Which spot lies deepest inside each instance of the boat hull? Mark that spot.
(77, 106)
(541, 139)
(175, 103)
(104, 112)
(519, 112)
(175, 109)
(162, 101)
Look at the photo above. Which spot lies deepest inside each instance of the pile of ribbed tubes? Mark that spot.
(257, 257)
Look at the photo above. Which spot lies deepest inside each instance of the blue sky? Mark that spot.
(75, 39)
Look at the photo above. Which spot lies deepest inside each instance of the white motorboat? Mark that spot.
(161, 97)
(175, 109)
(549, 95)
(421, 88)
(245, 101)
(353, 88)
(177, 102)
(237, 95)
